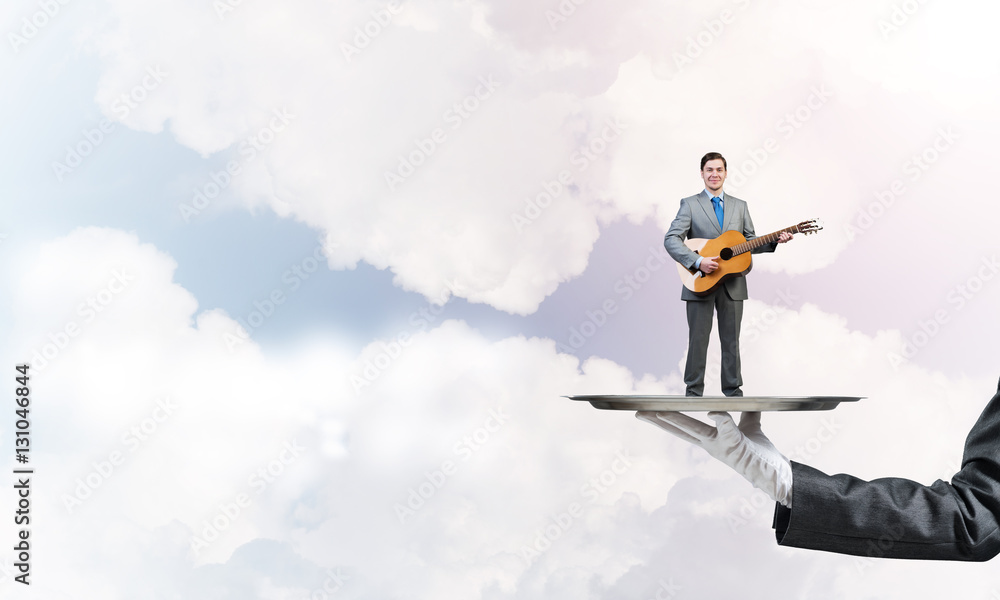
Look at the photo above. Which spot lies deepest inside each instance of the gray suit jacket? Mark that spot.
(899, 518)
(696, 219)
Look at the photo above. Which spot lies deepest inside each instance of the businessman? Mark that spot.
(883, 518)
(708, 215)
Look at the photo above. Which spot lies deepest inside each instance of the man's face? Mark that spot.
(714, 174)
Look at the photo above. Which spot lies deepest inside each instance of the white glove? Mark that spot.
(745, 448)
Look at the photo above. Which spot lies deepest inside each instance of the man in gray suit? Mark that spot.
(707, 215)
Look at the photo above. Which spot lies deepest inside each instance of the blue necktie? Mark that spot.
(717, 202)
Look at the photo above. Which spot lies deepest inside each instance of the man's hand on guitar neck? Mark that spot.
(783, 237)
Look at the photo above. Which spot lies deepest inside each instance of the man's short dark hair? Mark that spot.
(713, 156)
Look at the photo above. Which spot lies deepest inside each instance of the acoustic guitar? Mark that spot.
(733, 251)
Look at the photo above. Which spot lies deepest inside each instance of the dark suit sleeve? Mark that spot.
(749, 234)
(899, 518)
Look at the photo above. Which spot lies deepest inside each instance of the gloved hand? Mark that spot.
(745, 448)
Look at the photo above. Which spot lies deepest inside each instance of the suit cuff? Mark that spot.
(782, 515)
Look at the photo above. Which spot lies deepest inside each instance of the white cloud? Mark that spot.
(144, 418)
(415, 153)
(474, 433)
(369, 87)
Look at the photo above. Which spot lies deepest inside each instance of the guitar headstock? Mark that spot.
(810, 226)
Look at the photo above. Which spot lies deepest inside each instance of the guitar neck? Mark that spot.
(763, 240)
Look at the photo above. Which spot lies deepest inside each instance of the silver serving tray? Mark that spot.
(710, 403)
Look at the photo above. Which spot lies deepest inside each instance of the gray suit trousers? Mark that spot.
(699, 316)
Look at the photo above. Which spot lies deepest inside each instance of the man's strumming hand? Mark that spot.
(709, 264)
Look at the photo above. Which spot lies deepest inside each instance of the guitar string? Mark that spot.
(766, 239)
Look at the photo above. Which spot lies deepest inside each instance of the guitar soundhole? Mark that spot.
(726, 253)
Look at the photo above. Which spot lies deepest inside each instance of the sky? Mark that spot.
(301, 287)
